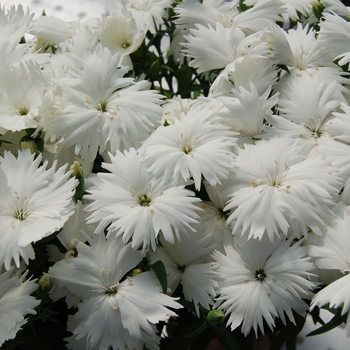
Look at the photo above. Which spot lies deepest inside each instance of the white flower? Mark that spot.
(228, 13)
(22, 96)
(301, 51)
(297, 48)
(294, 9)
(306, 114)
(14, 22)
(336, 295)
(34, 203)
(215, 48)
(334, 37)
(206, 13)
(172, 109)
(189, 14)
(258, 16)
(261, 280)
(213, 218)
(275, 187)
(148, 14)
(335, 6)
(105, 110)
(136, 205)
(12, 51)
(242, 73)
(75, 230)
(246, 113)
(193, 146)
(120, 33)
(339, 155)
(331, 250)
(187, 261)
(15, 303)
(50, 31)
(117, 309)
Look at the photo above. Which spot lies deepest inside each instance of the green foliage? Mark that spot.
(159, 270)
(163, 70)
(336, 321)
(288, 334)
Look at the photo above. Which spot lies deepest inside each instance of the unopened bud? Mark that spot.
(78, 173)
(45, 285)
(215, 317)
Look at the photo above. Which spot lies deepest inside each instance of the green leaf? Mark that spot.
(315, 314)
(317, 9)
(226, 337)
(331, 309)
(166, 67)
(242, 6)
(202, 328)
(154, 69)
(285, 68)
(187, 304)
(288, 334)
(159, 270)
(337, 320)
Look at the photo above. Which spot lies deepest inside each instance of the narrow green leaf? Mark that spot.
(226, 337)
(187, 304)
(315, 314)
(202, 328)
(331, 309)
(288, 333)
(333, 323)
(166, 67)
(159, 269)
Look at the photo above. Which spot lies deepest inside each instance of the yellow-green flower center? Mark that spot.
(144, 200)
(112, 290)
(102, 106)
(23, 110)
(21, 214)
(187, 149)
(126, 43)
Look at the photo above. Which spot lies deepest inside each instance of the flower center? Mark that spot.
(126, 43)
(144, 200)
(260, 275)
(21, 214)
(181, 267)
(223, 214)
(112, 290)
(23, 110)
(102, 106)
(187, 149)
(315, 134)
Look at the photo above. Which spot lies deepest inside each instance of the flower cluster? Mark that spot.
(171, 161)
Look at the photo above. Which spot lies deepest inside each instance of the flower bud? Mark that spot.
(78, 173)
(45, 285)
(215, 317)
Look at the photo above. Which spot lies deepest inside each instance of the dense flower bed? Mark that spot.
(174, 173)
